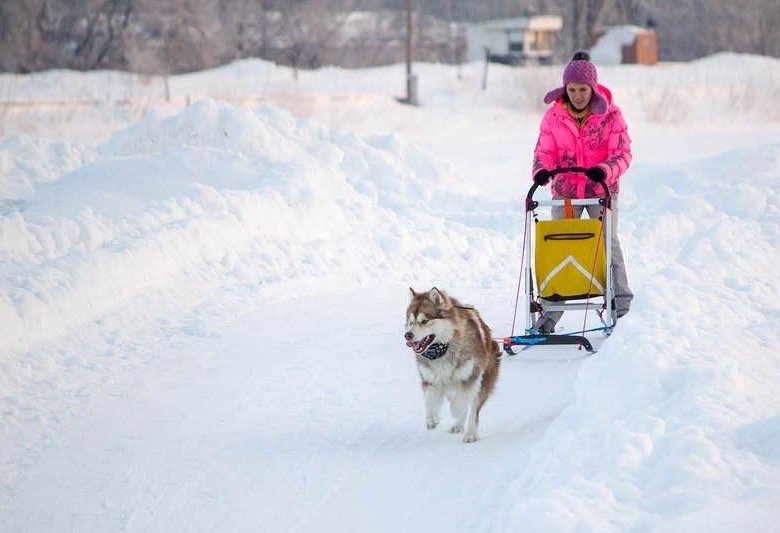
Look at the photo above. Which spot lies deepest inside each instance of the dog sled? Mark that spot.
(569, 266)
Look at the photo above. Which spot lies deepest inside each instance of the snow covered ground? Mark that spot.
(203, 284)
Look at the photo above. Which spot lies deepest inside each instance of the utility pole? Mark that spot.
(411, 79)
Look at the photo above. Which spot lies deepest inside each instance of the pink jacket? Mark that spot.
(602, 141)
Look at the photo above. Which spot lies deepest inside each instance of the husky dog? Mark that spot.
(456, 356)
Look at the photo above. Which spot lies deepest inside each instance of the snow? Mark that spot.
(608, 50)
(203, 294)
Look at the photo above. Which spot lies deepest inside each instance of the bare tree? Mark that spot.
(581, 17)
(630, 12)
(766, 28)
(151, 36)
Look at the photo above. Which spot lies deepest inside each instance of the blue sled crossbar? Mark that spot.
(535, 340)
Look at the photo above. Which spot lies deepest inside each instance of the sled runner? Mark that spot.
(571, 269)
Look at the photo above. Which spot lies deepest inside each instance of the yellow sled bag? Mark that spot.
(565, 252)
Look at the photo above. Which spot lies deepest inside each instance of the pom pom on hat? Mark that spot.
(580, 55)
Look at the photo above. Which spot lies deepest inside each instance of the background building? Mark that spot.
(516, 41)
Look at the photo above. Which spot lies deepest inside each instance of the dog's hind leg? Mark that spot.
(476, 400)
(473, 421)
(433, 400)
(488, 382)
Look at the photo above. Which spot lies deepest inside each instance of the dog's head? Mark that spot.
(428, 320)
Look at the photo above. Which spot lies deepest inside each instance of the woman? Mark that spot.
(584, 128)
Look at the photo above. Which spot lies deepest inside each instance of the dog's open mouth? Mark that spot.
(421, 345)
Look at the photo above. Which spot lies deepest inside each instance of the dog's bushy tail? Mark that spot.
(489, 377)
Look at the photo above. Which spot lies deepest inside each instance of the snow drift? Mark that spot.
(722, 87)
(191, 198)
(656, 437)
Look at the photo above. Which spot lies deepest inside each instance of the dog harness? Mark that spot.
(435, 351)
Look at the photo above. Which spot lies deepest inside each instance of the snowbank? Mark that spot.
(57, 104)
(213, 190)
(609, 48)
(671, 423)
(26, 163)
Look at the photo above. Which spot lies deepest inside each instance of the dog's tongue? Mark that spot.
(421, 345)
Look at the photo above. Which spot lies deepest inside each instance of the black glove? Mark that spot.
(596, 174)
(542, 177)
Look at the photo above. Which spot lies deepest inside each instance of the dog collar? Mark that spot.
(435, 351)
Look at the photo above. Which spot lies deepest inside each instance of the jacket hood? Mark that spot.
(600, 102)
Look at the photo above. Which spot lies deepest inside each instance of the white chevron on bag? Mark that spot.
(570, 261)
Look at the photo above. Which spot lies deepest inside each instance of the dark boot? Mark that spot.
(543, 326)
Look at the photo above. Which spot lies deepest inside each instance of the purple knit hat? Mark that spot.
(580, 70)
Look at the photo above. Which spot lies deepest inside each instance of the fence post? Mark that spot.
(411, 79)
(485, 73)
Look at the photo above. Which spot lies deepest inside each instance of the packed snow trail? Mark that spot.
(303, 416)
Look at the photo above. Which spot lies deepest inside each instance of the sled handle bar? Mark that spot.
(529, 199)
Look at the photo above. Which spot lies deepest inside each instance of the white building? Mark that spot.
(514, 41)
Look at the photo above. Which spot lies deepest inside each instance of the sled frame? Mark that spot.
(533, 309)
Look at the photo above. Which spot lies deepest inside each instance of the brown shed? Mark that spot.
(644, 49)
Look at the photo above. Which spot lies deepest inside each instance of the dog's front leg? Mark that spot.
(458, 408)
(433, 400)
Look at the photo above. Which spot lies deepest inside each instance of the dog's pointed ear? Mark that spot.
(436, 296)
(411, 290)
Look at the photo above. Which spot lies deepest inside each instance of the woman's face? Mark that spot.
(579, 95)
